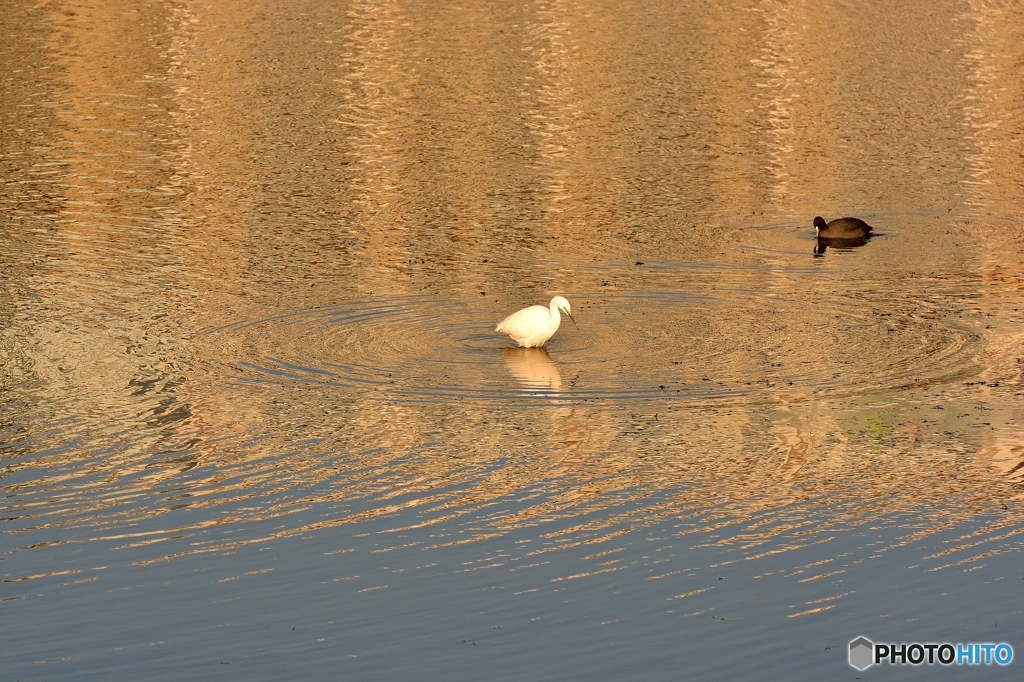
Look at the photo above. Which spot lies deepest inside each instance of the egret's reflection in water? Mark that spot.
(534, 369)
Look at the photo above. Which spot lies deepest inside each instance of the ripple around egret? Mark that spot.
(735, 343)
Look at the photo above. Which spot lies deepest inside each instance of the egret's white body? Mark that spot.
(532, 327)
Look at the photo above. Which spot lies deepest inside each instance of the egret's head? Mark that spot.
(819, 225)
(562, 304)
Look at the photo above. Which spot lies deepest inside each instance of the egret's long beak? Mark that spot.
(573, 321)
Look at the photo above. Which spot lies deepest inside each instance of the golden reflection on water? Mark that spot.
(533, 368)
(253, 256)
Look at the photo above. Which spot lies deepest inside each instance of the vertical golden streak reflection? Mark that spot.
(992, 187)
(777, 91)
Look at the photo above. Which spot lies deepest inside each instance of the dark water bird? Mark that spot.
(840, 233)
(841, 228)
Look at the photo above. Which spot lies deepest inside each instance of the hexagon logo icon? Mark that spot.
(862, 652)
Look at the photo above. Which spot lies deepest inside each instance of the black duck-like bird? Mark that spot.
(841, 228)
(843, 233)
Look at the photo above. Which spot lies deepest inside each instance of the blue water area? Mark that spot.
(365, 602)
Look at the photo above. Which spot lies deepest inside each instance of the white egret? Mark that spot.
(532, 327)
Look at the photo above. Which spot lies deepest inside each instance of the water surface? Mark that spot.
(255, 422)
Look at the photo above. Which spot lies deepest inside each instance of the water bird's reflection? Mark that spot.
(823, 243)
(533, 368)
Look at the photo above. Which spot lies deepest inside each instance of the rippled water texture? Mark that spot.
(256, 423)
